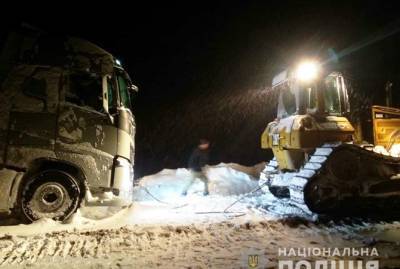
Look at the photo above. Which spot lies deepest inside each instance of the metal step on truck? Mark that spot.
(66, 127)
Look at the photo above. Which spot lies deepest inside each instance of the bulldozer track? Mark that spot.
(296, 183)
(345, 171)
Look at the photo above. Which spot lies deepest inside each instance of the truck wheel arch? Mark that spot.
(43, 164)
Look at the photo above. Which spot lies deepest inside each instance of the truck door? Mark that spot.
(85, 134)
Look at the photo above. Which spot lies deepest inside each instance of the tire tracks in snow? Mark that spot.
(203, 245)
(166, 241)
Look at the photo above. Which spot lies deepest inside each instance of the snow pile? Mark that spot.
(224, 179)
(394, 150)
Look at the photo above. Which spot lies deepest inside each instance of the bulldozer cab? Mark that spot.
(325, 96)
(312, 105)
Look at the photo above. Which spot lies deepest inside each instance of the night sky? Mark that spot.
(204, 69)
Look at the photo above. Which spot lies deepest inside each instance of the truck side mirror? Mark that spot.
(133, 88)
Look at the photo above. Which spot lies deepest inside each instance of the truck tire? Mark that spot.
(49, 194)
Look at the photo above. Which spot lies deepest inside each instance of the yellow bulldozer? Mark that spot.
(317, 166)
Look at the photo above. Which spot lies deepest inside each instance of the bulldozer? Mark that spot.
(318, 167)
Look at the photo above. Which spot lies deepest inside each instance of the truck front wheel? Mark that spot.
(49, 194)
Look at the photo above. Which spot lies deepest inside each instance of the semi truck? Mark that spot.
(66, 127)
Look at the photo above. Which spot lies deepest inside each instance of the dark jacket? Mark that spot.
(198, 159)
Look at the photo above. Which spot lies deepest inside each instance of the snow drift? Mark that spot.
(198, 233)
(224, 179)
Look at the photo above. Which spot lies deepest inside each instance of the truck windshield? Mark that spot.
(124, 91)
(331, 96)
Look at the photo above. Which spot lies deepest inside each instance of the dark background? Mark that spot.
(204, 69)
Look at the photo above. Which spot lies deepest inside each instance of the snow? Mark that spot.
(394, 150)
(167, 230)
(22, 156)
(224, 179)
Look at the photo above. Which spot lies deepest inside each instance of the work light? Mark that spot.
(307, 71)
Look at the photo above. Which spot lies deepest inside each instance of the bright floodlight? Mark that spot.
(307, 71)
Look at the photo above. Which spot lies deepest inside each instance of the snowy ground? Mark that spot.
(185, 232)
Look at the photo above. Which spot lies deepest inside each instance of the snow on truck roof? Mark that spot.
(65, 51)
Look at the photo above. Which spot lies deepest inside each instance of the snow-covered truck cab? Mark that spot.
(66, 129)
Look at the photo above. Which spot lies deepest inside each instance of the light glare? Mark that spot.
(307, 71)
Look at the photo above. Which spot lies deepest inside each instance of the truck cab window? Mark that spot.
(85, 89)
